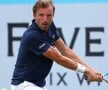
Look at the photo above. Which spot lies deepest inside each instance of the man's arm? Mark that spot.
(69, 53)
(53, 54)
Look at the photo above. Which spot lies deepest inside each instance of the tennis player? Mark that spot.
(40, 46)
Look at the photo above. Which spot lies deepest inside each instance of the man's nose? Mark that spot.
(45, 18)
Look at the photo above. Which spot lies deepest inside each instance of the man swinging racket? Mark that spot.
(40, 47)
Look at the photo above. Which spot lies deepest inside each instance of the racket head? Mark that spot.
(105, 77)
(105, 74)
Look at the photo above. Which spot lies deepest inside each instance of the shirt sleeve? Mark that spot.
(37, 45)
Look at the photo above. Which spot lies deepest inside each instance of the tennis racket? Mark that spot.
(104, 75)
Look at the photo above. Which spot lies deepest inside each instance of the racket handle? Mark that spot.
(85, 77)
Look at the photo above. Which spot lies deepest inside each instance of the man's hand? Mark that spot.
(92, 76)
(99, 75)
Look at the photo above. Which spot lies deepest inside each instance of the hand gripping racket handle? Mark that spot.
(103, 75)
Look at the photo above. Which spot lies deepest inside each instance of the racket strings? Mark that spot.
(105, 77)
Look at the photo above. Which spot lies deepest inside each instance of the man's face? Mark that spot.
(43, 17)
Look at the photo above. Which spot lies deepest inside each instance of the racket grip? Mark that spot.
(85, 77)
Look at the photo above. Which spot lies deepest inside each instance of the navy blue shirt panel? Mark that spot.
(31, 65)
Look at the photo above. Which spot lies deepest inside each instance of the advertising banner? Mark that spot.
(83, 25)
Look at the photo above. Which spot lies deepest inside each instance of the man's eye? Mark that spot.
(41, 15)
(50, 15)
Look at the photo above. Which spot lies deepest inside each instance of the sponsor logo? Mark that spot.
(41, 46)
(53, 36)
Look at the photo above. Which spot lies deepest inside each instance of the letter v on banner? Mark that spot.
(73, 40)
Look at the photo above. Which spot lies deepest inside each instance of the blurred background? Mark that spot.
(83, 25)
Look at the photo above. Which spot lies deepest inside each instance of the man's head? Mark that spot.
(43, 12)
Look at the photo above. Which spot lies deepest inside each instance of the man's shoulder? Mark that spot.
(31, 34)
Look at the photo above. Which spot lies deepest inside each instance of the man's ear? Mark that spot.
(34, 14)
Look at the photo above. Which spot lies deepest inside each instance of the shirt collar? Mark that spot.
(36, 27)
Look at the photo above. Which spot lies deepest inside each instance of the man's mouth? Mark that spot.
(45, 24)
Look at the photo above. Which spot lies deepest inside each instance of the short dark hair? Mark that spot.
(43, 4)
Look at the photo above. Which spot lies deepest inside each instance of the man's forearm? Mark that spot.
(70, 54)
